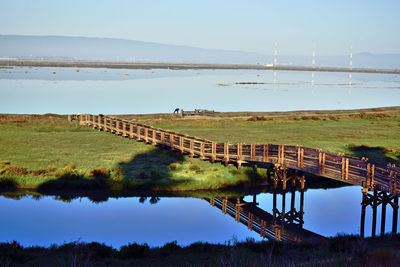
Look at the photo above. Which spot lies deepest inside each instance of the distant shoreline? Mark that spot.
(179, 66)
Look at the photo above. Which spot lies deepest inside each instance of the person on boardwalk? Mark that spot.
(176, 111)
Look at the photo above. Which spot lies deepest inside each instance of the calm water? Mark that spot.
(37, 90)
(187, 220)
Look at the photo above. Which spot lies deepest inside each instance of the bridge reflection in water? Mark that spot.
(283, 225)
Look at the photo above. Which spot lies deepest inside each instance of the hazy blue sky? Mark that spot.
(369, 25)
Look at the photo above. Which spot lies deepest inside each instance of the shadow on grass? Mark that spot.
(150, 170)
(8, 184)
(375, 154)
(144, 171)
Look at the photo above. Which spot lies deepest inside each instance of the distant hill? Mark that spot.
(25, 46)
(117, 49)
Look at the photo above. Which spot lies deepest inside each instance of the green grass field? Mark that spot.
(46, 151)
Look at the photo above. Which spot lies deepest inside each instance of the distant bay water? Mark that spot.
(111, 91)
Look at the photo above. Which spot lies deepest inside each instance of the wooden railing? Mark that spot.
(348, 169)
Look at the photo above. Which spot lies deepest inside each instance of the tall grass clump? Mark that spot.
(69, 172)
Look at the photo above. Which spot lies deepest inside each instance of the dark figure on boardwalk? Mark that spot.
(176, 111)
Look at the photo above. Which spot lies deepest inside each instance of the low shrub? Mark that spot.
(194, 167)
(257, 118)
(12, 253)
(52, 168)
(172, 246)
(134, 250)
(315, 118)
(69, 172)
(101, 250)
(99, 173)
(172, 166)
(333, 118)
(14, 170)
(154, 174)
(38, 172)
(143, 175)
(202, 247)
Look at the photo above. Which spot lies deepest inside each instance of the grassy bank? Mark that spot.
(46, 152)
(337, 251)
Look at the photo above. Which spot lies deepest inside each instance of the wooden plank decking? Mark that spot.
(340, 167)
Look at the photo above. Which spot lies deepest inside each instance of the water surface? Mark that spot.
(119, 91)
(157, 221)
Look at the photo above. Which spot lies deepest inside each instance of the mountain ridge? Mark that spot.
(101, 48)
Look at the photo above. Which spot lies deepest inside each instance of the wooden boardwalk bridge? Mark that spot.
(371, 176)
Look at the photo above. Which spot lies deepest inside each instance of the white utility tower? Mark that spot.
(351, 65)
(275, 62)
(313, 66)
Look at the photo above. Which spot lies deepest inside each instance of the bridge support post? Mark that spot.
(117, 129)
(239, 160)
(226, 154)
(94, 122)
(374, 212)
(395, 214)
(146, 135)
(191, 154)
(130, 130)
(364, 204)
(138, 133)
(154, 138)
(374, 200)
(292, 216)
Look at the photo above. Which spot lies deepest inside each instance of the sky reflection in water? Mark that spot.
(187, 220)
(111, 91)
